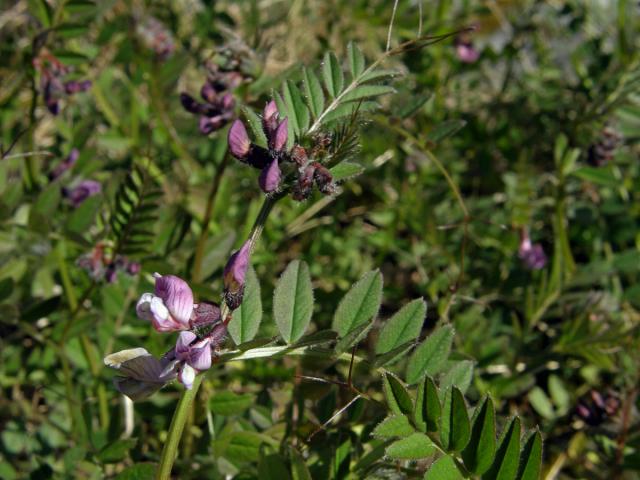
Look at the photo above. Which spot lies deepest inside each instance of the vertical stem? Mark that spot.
(170, 450)
(181, 413)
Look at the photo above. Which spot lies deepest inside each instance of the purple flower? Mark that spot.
(193, 351)
(82, 191)
(270, 116)
(270, 177)
(170, 307)
(234, 276)
(211, 124)
(278, 139)
(532, 255)
(65, 165)
(466, 52)
(323, 179)
(133, 268)
(75, 86)
(239, 143)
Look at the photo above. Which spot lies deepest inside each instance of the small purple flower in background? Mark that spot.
(101, 265)
(532, 255)
(82, 191)
(234, 276)
(64, 165)
(218, 108)
(170, 307)
(465, 51)
(52, 84)
(156, 37)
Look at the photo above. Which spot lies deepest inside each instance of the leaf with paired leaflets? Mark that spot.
(246, 319)
(455, 429)
(506, 462)
(360, 304)
(531, 457)
(431, 356)
(443, 469)
(397, 395)
(393, 426)
(414, 447)
(427, 409)
(293, 301)
(402, 327)
(481, 448)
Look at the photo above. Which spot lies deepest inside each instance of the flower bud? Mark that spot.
(190, 104)
(270, 118)
(299, 155)
(303, 187)
(211, 124)
(324, 179)
(208, 92)
(278, 140)
(466, 52)
(239, 143)
(234, 276)
(270, 176)
(65, 165)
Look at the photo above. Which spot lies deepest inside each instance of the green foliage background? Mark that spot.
(513, 132)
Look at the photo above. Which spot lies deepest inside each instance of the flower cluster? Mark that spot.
(171, 308)
(602, 152)
(101, 264)
(53, 83)
(531, 254)
(219, 104)
(65, 165)
(270, 160)
(156, 37)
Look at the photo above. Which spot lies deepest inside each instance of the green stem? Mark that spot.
(170, 450)
(183, 409)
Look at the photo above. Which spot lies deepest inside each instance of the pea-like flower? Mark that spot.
(465, 50)
(53, 83)
(531, 254)
(234, 276)
(170, 307)
(83, 190)
(64, 165)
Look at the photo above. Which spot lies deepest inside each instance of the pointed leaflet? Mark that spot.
(353, 337)
(530, 458)
(393, 356)
(356, 60)
(397, 395)
(445, 129)
(360, 304)
(443, 469)
(313, 91)
(299, 470)
(459, 375)
(298, 111)
(454, 424)
(505, 464)
(332, 74)
(430, 357)
(393, 426)
(246, 319)
(413, 447)
(404, 326)
(482, 446)
(293, 301)
(427, 409)
(255, 124)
